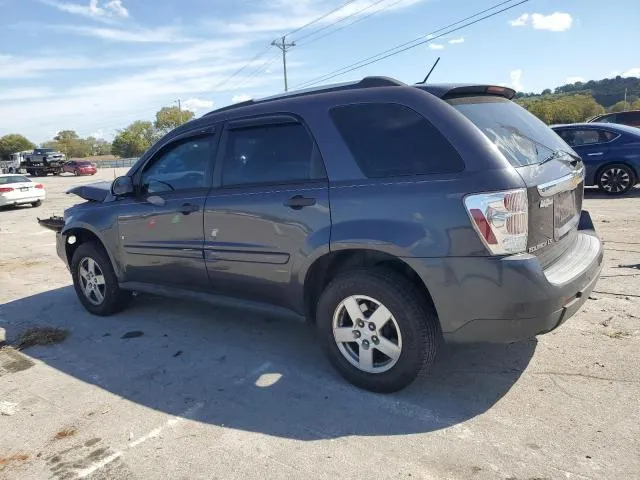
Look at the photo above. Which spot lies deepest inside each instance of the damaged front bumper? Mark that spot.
(54, 223)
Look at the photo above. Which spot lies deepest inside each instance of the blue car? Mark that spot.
(610, 152)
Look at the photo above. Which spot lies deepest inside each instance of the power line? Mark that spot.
(261, 69)
(421, 40)
(242, 68)
(321, 17)
(357, 20)
(339, 20)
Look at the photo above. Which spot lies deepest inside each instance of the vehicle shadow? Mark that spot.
(253, 371)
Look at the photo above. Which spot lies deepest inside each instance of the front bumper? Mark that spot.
(488, 299)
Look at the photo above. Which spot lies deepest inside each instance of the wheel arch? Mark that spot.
(85, 234)
(331, 264)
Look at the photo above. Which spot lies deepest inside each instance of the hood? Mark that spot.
(94, 192)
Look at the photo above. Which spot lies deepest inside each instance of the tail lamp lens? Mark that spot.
(501, 219)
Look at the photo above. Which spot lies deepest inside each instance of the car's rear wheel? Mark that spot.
(95, 281)
(616, 179)
(37, 203)
(377, 328)
(76, 173)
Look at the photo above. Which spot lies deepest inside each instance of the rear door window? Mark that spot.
(579, 138)
(521, 137)
(271, 154)
(388, 139)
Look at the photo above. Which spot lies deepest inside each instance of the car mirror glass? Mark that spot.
(122, 186)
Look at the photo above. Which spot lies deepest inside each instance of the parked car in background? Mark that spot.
(20, 190)
(610, 152)
(391, 216)
(631, 118)
(79, 167)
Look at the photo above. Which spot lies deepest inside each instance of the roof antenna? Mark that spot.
(430, 71)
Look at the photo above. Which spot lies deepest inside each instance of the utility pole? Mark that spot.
(179, 109)
(284, 46)
(625, 99)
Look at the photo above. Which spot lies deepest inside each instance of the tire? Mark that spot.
(616, 179)
(418, 331)
(36, 203)
(76, 173)
(113, 298)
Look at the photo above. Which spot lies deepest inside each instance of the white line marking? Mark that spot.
(172, 422)
(254, 373)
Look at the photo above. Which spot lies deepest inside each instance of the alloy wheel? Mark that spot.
(91, 280)
(367, 334)
(615, 180)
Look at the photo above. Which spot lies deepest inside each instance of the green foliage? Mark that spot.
(134, 140)
(13, 143)
(168, 118)
(69, 143)
(619, 107)
(562, 108)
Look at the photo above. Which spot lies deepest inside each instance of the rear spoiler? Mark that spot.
(452, 91)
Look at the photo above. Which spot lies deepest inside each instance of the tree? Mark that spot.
(14, 142)
(67, 141)
(134, 140)
(168, 118)
(619, 107)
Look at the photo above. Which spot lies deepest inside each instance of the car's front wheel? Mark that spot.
(95, 281)
(616, 179)
(377, 328)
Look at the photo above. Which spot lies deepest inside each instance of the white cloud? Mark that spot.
(613, 74)
(436, 46)
(632, 72)
(98, 134)
(195, 104)
(572, 80)
(157, 35)
(521, 21)
(555, 22)
(93, 10)
(454, 41)
(240, 98)
(516, 76)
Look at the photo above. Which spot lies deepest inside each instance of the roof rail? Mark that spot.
(367, 82)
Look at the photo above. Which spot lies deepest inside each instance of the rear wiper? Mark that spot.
(558, 153)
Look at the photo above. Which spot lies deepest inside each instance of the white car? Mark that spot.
(20, 190)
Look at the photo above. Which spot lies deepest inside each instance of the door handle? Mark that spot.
(298, 202)
(594, 154)
(188, 208)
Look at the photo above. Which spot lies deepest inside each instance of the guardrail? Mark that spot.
(118, 163)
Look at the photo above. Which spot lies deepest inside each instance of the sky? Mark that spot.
(95, 66)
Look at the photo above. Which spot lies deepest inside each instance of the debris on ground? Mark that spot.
(16, 457)
(133, 334)
(7, 408)
(618, 334)
(67, 432)
(41, 336)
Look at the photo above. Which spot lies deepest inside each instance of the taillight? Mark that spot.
(501, 220)
(6, 189)
(39, 185)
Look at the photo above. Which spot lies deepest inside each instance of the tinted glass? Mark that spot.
(388, 140)
(181, 166)
(521, 137)
(273, 154)
(608, 119)
(13, 179)
(578, 138)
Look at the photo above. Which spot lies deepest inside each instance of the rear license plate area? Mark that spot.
(24, 189)
(565, 213)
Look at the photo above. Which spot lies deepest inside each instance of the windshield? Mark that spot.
(43, 150)
(519, 135)
(13, 179)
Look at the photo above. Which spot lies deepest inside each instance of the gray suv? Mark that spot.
(391, 216)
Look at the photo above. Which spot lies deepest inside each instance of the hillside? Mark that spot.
(607, 92)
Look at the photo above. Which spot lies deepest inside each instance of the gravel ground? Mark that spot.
(176, 390)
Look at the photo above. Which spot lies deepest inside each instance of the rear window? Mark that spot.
(389, 140)
(13, 179)
(521, 137)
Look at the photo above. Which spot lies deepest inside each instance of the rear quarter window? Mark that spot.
(388, 140)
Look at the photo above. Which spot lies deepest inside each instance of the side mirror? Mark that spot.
(122, 186)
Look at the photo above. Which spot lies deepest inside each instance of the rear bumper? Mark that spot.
(31, 198)
(486, 299)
